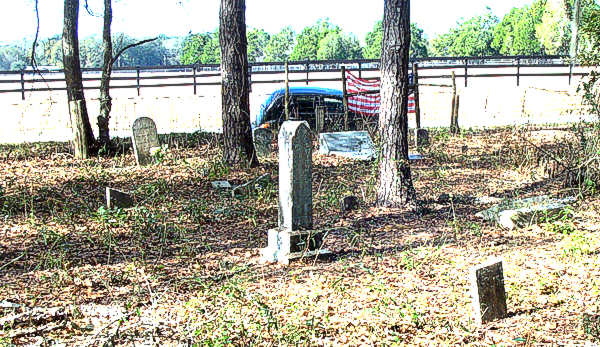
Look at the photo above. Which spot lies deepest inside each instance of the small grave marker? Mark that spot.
(144, 138)
(118, 199)
(263, 139)
(294, 237)
(487, 290)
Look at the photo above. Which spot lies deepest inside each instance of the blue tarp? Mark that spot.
(293, 91)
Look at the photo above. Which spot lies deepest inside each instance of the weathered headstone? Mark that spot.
(351, 144)
(421, 138)
(487, 290)
(348, 203)
(263, 139)
(144, 138)
(118, 199)
(294, 237)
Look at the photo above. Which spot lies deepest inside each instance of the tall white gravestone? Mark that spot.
(144, 138)
(294, 237)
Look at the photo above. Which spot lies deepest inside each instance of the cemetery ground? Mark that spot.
(182, 265)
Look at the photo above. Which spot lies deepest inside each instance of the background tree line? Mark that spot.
(537, 29)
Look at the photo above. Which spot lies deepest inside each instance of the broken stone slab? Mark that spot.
(487, 291)
(520, 213)
(348, 203)
(118, 199)
(356, 145)
(221, 184)
(285, 245)
(246, 188)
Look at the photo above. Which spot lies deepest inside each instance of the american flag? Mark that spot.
(368, 103)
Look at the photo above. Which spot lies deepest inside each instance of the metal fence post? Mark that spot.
(22, 84)
(359, 70)
(137, 69)
(195, 87)
(307, 65)
(466, 73)
(570, 72)
(518, 72)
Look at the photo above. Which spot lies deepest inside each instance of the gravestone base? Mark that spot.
(286, 245)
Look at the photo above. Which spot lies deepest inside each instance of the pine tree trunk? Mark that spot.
(235, 92)
(72, 66)
(395, 187)
(107, 61)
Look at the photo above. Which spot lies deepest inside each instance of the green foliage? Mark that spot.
(418, 42)
(257, 42)
(335, 45)
(554, 31)
(280, 45)
(201, 48)
(308, 41)
(472, 37)
(516, 33)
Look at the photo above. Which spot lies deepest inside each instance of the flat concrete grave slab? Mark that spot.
(520, 213)
(145, 139)
(356, 145)
(487, 291)
(118, 199)
(221, 184)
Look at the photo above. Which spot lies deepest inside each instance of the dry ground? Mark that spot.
(182, 267)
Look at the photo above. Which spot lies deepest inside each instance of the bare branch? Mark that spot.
(89, 10)
(122, 50)
(37, 34)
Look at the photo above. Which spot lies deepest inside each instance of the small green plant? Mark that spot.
(577, 244)
(561, 223)
(215, 169)
(591, 325)
(159, 154)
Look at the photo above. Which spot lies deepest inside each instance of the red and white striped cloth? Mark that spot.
(368, 103)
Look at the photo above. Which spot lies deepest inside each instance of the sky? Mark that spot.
(149, 18)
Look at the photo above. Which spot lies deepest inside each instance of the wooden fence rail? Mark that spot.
(194, 74)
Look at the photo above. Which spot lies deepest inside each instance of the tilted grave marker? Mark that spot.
(118, 199)
(294, 237)
(144, 138)
(487, 290)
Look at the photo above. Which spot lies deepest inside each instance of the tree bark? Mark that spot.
(72, 67)
(107, 62)
(395, 187)
(235, 92)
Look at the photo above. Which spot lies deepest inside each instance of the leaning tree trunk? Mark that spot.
(84, 139)
(395, 187)
(235, 91)
(107, 62)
